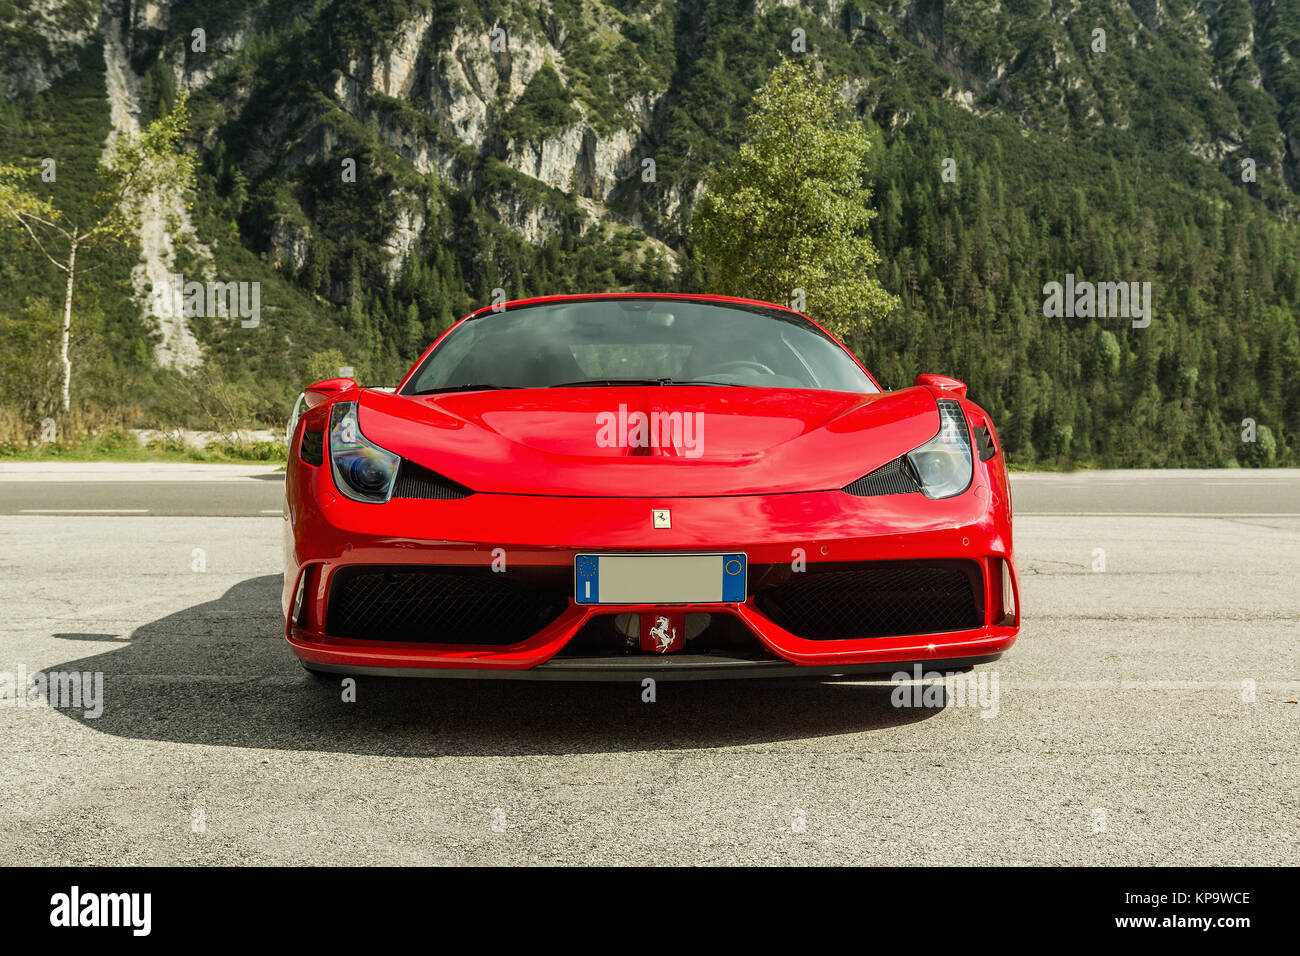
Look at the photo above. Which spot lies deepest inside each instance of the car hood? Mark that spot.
(650, 441)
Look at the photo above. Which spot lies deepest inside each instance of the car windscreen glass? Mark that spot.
(599, 341)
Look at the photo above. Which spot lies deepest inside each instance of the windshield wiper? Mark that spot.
(481, 387)
(589, 382)
(702, 381)
(584, 382)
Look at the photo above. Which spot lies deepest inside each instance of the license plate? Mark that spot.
(659, 578)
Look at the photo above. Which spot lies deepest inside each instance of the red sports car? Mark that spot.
(640, 485)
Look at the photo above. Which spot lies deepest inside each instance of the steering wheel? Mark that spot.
(739, 364)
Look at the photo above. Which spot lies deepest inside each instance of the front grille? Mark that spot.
(416, 481)
(445, 604)
(846, 600)
(894, 478)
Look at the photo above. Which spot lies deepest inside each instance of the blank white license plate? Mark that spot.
(659, 578)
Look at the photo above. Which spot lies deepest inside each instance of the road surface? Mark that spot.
(1147, 714)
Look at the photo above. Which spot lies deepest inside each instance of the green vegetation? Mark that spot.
(791, 212)
(125, 447)
(99, 435)
(136, 170)
(970, 259)
(544, 107)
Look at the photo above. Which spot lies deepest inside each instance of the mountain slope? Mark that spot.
(1114, 156)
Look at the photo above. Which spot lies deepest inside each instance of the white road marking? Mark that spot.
(1084, 686)
(84, 511)
(1157, 514)
(1237, 484)
(112, 471)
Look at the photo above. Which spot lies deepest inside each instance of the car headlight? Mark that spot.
(943, 464)
(362, 470)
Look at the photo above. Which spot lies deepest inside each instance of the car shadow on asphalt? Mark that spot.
(220, 673)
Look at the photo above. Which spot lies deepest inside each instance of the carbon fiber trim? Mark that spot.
(416, 481)
(312, 448)
(666, 667)
(894, 478)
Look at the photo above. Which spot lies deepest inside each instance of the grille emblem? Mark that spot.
(662, 518)
(664, 634)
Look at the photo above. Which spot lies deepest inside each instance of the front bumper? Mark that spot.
(326, 533)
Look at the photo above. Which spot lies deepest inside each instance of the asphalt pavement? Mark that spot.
(1148, 713)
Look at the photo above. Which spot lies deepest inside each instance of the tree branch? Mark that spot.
(62, 267)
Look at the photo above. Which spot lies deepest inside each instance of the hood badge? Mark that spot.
(662, 517)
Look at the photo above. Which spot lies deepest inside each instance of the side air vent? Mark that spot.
(312, 449)
(416, 481)
(984, 443)
(895, 478)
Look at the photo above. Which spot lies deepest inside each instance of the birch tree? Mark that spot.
(135, 168)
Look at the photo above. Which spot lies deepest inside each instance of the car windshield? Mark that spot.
(597, 342)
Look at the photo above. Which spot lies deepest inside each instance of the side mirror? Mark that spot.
(319, 391)
(942, 382)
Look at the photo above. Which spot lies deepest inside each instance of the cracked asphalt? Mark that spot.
(1147, 714)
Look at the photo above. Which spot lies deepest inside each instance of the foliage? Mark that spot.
(970, 259)
(136, 170)
(791, 212)
(544, 107)
(324, 365)
(1120, 166)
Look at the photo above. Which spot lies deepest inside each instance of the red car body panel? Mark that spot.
(768, 483)
(759, 441)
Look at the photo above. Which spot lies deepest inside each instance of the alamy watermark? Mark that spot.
(177, 298)
(1086, 300)
(978, 689)
(62, 690)
(680, 431)
(133, 911)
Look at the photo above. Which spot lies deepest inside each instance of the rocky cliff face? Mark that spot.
(455, 82)
(40, 40)
(162, 220)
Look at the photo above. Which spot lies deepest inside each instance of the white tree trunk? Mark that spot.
(67, 327)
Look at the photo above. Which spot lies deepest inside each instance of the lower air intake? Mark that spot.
(847, 600)
(444, 605)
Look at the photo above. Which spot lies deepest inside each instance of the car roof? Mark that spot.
(678, 296)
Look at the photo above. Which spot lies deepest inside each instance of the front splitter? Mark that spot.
(668, 667)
